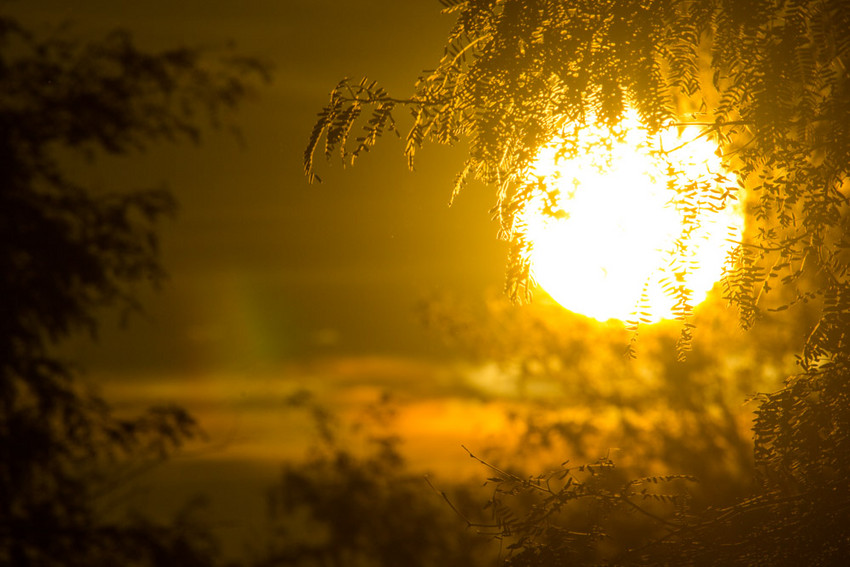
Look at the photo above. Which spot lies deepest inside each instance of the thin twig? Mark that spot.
(469, 523)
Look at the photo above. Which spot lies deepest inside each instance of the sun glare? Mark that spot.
(623, 222)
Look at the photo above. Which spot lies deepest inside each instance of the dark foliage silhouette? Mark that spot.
(343, 506)
(66, 252)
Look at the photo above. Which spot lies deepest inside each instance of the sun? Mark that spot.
(627, 225)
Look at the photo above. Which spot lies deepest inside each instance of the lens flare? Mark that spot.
(627, 225)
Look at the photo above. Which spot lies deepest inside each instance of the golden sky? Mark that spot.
(275, 284)
(263, 267)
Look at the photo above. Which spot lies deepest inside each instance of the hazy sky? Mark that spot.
(264, 267)
(277, 285)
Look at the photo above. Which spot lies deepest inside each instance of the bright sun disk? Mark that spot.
(628, 220)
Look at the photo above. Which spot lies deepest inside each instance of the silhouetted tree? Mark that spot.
(66, 252)
(341, 506)
(766, 79)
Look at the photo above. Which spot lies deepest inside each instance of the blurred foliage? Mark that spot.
(579, 394)
(348, 506)
(66, 252)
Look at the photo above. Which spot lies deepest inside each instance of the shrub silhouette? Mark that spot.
(344, 507)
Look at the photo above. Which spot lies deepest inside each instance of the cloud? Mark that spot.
(248, 415)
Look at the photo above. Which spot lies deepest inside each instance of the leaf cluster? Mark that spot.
(567, 515)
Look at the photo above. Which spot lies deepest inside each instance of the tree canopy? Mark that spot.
(68, 250)
(768, 81)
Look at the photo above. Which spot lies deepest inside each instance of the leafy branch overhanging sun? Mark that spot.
(763, 82)
(628, 225)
